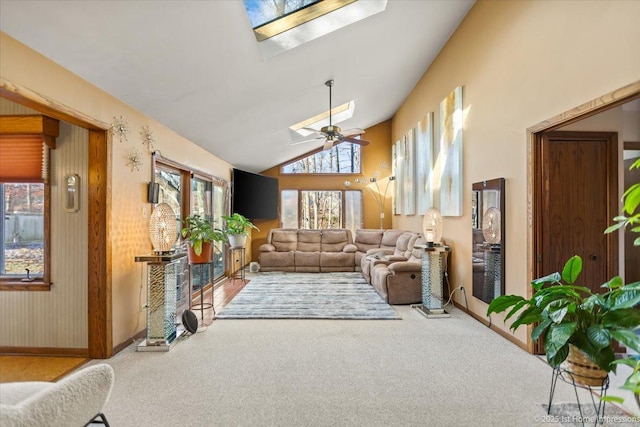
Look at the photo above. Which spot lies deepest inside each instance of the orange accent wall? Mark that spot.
(374, 155)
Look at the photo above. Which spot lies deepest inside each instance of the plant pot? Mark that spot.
(237, 240)
(205, 255)
(581, 369)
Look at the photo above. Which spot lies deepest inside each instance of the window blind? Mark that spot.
(23, 158)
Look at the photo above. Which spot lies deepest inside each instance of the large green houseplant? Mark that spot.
(567, 314)
(237, 230)
(199, 233)
(630, 217)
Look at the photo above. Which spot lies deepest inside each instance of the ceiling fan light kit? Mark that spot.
(333, 134)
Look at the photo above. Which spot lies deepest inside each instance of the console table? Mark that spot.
(165, 283)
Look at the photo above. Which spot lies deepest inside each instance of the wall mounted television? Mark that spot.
(254, 196)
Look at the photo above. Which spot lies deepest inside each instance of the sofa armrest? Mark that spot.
(266, 247)
(398, 267)
(350, 248)
(381, 261)
(379, 251)
(395, 258)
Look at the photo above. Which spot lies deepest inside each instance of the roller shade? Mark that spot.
(23, 159)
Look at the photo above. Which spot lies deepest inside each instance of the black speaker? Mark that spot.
(153, 189)
(190, 321)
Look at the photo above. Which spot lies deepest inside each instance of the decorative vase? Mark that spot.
(582, 370)
(205, 255)
(237, 240)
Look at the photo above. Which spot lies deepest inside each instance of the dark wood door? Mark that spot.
(577, 190)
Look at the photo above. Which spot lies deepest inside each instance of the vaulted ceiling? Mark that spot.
(195, 66)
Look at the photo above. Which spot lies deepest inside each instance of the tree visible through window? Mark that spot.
(342, 158)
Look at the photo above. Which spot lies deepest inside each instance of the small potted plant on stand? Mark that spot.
(237, 230)
(578, 328)
(199, 233)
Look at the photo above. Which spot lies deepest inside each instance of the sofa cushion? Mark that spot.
(390, 237)
(335, 240)
(368, 239)
(284, 240)
(309, 240)
(404, 245)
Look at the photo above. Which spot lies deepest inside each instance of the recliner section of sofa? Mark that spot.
(401, 250)
(400, 282)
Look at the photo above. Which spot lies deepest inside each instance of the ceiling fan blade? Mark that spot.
(352, 132)
(308, 140)
(362, 142)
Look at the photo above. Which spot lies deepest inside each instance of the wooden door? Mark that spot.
(577, 194)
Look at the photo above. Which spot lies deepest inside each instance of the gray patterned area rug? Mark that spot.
(276, 295)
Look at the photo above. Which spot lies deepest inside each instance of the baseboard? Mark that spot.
(45, 351)
(118, 348)
(499, 331)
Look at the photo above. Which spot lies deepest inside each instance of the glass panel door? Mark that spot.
(219, 209)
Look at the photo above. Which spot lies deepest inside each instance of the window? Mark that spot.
(24, 201)
(190, 192)
(22, 230)
(321, 209)
(342, 158)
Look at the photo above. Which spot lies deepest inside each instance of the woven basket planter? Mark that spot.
(582, 370)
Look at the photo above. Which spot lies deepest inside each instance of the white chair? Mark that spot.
(76, 400)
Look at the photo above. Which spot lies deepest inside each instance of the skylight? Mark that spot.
(280, 25)
(338, 114)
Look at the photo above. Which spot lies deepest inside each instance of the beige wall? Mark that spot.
(519, 63)
(129, 210)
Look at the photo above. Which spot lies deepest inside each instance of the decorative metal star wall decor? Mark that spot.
(120, 128)
(134, 159)
(148, 138)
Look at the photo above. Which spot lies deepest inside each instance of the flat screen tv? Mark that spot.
(254, 196)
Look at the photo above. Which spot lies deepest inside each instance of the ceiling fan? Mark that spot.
(333, 134)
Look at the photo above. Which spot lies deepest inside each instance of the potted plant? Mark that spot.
(238, 228)
(630, 216)
(199, 233)
(577, 326)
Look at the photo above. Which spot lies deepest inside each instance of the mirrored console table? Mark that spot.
(434, 267)
(165, 286)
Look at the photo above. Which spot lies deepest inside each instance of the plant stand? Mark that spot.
(564, 375)
(203, 268)
(237, 256)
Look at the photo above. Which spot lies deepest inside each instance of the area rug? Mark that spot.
(568, 415)
(277, 295)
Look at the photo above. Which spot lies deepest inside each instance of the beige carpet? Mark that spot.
(414, 372)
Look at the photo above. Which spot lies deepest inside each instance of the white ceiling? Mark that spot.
(195, 66)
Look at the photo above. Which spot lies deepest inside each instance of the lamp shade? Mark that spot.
(162, 228)
(432, 225)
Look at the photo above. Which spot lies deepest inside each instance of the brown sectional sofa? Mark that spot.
(386, 258)
(311, 251)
